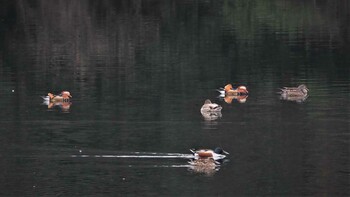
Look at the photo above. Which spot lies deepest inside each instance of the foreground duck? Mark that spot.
(299, 91)
(228, 90)
(63, 97)
(216, 154)
(208, 106)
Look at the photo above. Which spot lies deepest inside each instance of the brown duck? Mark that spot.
(228, 90)
(299, 91)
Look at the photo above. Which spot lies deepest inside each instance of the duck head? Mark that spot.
(66, 94)
(242, 89)
(220, 151)
(303, 88)
(50, 95)
(207, 101)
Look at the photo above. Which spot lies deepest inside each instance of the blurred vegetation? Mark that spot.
(172, 45)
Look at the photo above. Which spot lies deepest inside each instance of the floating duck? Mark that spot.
(299, 91)
(63, 97)
(208, 106)
(216, 154)
(228, 90)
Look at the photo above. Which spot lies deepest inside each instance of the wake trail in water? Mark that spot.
(140, 156)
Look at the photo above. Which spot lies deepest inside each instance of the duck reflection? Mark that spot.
(64, 106)
(207, 166)
(240, 99)
(209, 116)
(298, 99)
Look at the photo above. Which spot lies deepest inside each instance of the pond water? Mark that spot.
(139, 72)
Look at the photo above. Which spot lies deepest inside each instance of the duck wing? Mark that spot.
(221, 91)
(214, 106)
(288, 89)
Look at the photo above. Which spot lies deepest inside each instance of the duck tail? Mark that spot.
(46, 98)
(281, 90)
(221, 91)
(193, 151)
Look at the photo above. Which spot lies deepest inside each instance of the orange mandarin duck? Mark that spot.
(63, 97)
(228, 90)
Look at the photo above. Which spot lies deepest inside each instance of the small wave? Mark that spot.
(153, 156)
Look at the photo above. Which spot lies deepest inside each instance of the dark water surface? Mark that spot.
(139, 72)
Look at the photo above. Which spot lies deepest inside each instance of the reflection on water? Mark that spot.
(139, 72)
(239, 99)
(207, 166)
(208, 116)
(142, 155)
(64, 106)
(298, 99)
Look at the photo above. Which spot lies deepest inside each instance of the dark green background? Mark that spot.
(139, 72)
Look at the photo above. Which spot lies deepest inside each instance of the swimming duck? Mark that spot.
(228, 90)
(63, 97)
(216, 154)
(208, 106)
(299, 91)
